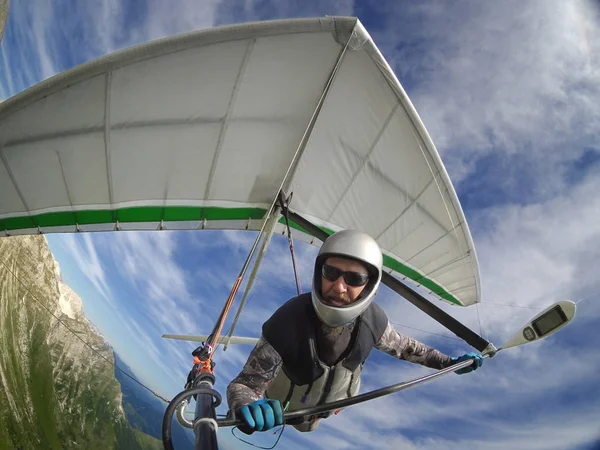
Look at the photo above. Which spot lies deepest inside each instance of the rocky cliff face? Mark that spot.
(55, 392)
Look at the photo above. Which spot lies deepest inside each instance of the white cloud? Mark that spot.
(81, 247)
(253, 10)
(552, 430)
(504, 78)
(541, 253)
(154, 355)
(6, 91)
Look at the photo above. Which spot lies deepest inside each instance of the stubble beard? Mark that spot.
(340, 300)
(345, 298)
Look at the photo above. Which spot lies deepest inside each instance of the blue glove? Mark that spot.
(471, 355)
(261, 415)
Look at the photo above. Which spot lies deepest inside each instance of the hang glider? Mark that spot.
(198, 131)
(214, 129)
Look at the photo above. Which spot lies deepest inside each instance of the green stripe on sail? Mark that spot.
(417, 277)
(17, 223)
(132, 214)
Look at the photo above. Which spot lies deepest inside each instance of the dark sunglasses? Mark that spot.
(351, 278)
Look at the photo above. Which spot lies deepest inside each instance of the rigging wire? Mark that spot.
(512, 306)
(584, 298)
(425, 331)
(279, 288)
(96, 352)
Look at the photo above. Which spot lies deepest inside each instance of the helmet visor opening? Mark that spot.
(351, 278)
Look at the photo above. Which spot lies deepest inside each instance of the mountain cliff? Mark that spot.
(55, 392)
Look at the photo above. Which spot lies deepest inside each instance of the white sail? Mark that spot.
(199, 130)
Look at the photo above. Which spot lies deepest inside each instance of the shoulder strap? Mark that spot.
(371, 326)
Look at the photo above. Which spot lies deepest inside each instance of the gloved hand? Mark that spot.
(476, 363)
(261, 415)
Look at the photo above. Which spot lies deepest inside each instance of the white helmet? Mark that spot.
(353, 245)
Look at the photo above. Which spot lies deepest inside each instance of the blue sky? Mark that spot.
(509, 95)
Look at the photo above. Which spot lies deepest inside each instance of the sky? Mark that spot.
(509, 94)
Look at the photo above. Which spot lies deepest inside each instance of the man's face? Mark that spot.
(338, 292)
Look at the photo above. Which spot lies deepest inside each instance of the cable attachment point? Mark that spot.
(203, 364)
(284, 201)
(202, 352)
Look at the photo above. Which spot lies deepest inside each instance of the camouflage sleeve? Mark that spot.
(260, 369)
(403, 347)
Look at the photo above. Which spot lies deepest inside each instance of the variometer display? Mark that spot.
(549, 321)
